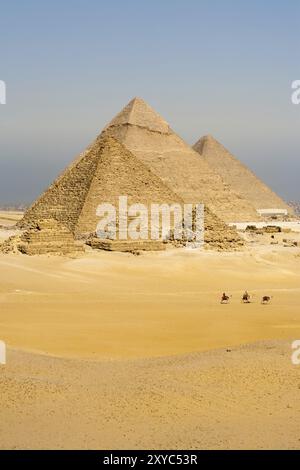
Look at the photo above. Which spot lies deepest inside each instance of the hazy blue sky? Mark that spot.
(222, 67)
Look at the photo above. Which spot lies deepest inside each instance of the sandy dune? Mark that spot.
(135, 350)
(246, 398)
(116, 305)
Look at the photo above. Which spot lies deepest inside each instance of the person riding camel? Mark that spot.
(246, 297)
(224, 298)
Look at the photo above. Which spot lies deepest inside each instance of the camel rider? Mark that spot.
(224, 297)
(246, 296)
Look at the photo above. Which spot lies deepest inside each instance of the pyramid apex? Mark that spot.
(206, 140)
(138, 113)
(210, 137)
(138, 100)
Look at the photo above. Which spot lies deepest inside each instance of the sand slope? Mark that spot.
(114, 305)
(246, 398)
(137, 343)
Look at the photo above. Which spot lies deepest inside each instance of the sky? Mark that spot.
(220, 67)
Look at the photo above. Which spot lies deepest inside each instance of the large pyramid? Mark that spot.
(238, 176)
(105, 171)
(150, 138)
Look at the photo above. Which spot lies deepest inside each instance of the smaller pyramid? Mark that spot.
(44, 237)
(243, 181)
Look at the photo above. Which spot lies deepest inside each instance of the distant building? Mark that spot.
(272, 212)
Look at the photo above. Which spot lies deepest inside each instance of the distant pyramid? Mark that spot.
(238, 176)
(148, 136)
(105, 171)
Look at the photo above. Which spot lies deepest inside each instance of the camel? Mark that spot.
(225, 298)
(266, 299)
(246, 298)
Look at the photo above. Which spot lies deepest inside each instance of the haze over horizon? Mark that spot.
(208, 67)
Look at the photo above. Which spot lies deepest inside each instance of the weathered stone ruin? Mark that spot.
(129, 246)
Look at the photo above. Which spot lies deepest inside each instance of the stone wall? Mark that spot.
(130, 246)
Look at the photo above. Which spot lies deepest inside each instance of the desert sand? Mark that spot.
(10, 217)
(111, 350)
(116, 305)
(246, 398)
